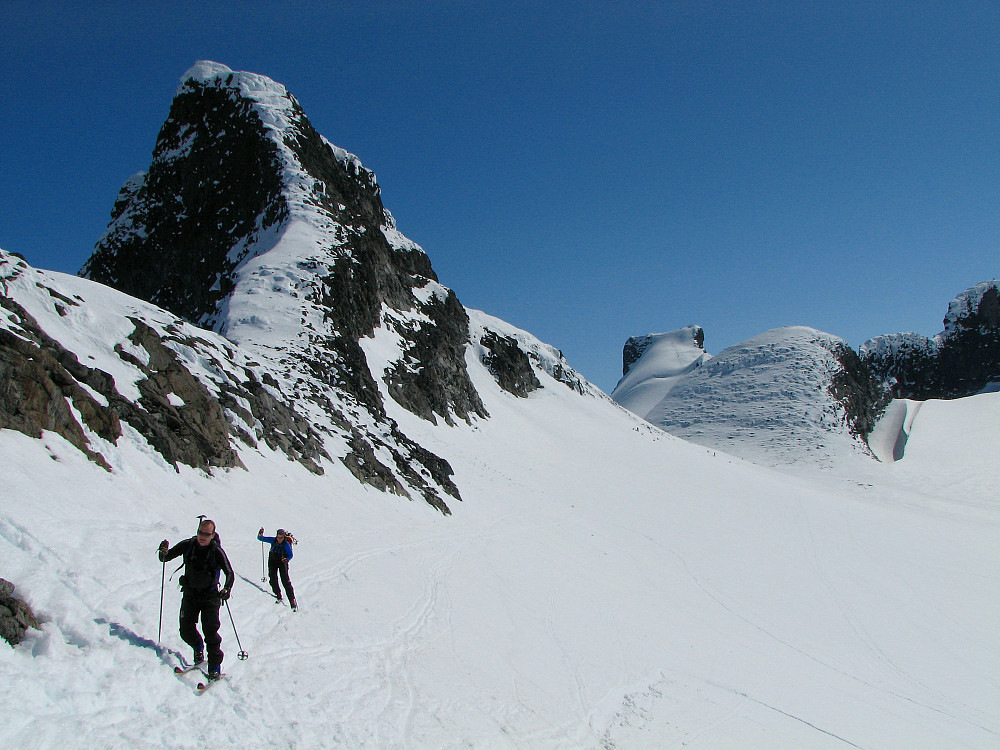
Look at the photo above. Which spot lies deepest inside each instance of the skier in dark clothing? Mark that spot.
(277, 561)
(204, 561)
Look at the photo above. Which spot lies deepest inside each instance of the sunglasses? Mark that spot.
(206, 534)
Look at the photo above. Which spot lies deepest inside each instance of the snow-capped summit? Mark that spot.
(787, 396)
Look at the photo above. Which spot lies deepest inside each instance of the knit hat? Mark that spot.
(281, 532)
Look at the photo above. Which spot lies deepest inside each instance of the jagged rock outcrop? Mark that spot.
(516, 360)
(214, 182)
(508, 364)
(960, 361)
(858, 390)
(15, 615)
(39, 392)
(430, 378)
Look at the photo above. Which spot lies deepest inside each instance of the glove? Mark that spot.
(164, 545)
(284, 560)
(224, 594)
(261, 532)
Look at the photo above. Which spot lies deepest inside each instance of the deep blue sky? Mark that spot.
(586, 171)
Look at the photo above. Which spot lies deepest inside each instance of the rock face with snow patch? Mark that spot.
(788, 395)
(960, 361)
(188, 393)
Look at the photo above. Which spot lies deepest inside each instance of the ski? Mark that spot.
(184, 669)
(203, 686)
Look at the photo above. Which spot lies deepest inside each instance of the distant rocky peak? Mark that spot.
(961, 360)
(653, 364)
(765, 399)
(976, 307)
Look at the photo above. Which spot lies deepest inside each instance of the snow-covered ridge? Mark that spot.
(769, 399)
(544, 357)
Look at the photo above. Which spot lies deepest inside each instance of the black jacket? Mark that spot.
(202, 565)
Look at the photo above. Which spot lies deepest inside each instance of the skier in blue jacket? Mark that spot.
(277, 561)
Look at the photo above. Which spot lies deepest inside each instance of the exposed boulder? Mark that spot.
(15, 615)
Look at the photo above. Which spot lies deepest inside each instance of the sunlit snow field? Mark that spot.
(601, 585)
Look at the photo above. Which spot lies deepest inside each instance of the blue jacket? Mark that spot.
(278, 550)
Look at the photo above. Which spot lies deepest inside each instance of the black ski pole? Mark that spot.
(163, 575)
(242, 655)
(263, 573)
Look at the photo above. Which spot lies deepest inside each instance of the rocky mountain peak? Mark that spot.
(655, 363)
(250, 223)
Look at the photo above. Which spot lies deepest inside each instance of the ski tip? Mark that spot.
(203, 686)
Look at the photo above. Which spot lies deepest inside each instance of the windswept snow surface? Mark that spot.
(666, 360)
(603, 585)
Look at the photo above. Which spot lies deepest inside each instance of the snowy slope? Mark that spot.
(602, 585)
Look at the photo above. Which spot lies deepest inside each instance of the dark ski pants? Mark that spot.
(275, 566)
(205, 605)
